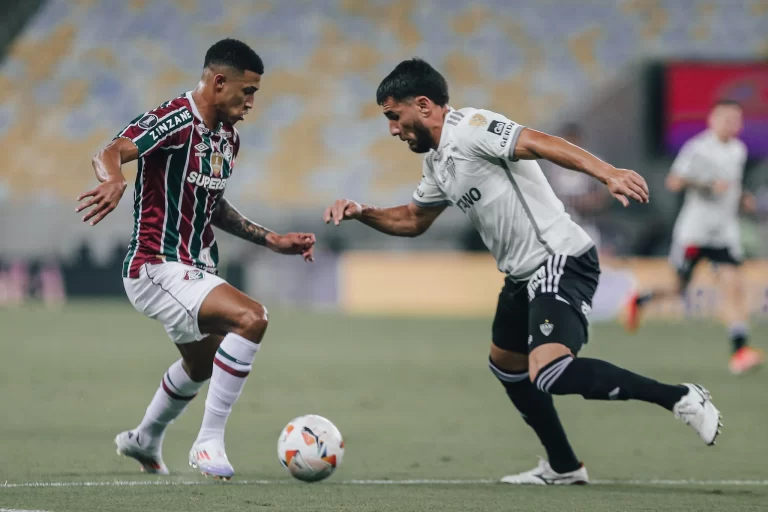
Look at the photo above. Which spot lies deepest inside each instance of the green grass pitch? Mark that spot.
(413, 398)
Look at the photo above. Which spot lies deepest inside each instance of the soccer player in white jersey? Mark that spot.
(482, 163)
(709, 169)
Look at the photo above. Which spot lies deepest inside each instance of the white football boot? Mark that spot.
(129, 444)
(696, 409)
(543, 474)
(211, 459)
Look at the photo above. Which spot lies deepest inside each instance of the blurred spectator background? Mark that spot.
(629, 80)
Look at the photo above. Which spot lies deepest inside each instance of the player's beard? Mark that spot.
(422, 142)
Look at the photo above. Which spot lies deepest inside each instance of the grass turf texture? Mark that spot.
(412, 397)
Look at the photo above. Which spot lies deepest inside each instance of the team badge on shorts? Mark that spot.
(546, 328)
(193, 275)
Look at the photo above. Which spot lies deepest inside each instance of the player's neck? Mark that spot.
(437, 134)
(437, 131)
(205, 107)
(723, 138)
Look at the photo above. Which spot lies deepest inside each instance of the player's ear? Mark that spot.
(424, 105)
(218, 81)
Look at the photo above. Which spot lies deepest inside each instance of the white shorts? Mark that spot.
(172, 293)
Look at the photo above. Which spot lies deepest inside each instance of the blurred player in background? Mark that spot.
(709, 168)
(482, 162)
(187, 149)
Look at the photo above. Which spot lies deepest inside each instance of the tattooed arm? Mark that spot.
(228, 219)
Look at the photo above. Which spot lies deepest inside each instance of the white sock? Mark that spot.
(175, 393)
(231, 367)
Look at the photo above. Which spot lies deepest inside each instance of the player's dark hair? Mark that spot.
(725, 102)
(235, 54)
(411, 78)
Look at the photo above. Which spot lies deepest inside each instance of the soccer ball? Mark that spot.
(310, 447)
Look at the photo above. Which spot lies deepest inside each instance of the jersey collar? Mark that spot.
(446, 128)
(196, 112)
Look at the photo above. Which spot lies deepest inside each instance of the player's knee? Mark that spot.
(252, 322)
(506, 360)
(542, 355)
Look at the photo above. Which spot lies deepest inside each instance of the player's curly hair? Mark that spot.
(411, 78)
(235, 54)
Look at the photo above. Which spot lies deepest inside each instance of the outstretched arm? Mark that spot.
(622, 183)
(228, 219)
(107, 167)
(408, 220)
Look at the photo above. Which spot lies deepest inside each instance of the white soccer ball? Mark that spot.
(310, 447)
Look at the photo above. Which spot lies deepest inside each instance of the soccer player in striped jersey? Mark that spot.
(186, 150)
(483, 163)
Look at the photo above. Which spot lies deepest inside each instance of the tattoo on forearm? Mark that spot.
(228, 219)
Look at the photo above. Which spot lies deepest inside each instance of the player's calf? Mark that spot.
(242, 322)
(599, 380)
(536, 408)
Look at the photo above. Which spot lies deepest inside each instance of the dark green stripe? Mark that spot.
(227, 356)
(174, 182)
(198, 223)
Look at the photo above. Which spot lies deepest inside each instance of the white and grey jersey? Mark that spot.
(708, 219)
(509, 202)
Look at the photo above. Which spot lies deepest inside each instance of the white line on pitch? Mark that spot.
(19, 510)
(168, 483)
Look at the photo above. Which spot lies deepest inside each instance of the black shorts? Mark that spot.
(694, 254)
(551, 307)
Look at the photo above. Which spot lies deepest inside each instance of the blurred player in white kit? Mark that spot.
(709, 168)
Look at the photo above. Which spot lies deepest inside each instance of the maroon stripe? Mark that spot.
(208, 237)
(229, 369)
(174, 395)
(152, 211)
(185, 221)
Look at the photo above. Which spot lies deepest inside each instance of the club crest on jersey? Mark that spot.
(478, 120)
(193, 275)
(228, 152)
(450, 166)
(148, 121)
(217, 163)
(546, 328)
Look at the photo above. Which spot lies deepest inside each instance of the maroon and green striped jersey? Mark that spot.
(183, 169)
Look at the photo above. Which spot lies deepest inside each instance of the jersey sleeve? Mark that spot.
(488, 135)
(428, 194)
(158, 129)
(683, 164)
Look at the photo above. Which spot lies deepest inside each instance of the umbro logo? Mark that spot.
(201, 147)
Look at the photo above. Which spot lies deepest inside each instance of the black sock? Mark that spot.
(739, 336)
(598, 380)
(539, 413)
